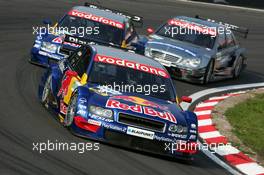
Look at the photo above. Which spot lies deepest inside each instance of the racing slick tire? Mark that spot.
(238, 67)
(45, 97)
(209, 72)
(70, 111)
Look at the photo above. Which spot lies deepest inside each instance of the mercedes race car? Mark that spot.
(197, 50)
(98, 24)
(103, 93)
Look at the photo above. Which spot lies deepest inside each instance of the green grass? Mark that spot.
(247, 120)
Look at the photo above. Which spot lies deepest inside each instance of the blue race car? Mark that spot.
(197, 50)
(122, 98)
(98, 24)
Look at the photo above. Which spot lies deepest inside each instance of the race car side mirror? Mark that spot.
(150, 30)
(47, 21)
(186, 99)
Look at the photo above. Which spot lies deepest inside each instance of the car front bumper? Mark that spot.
(190, 75)
(43, 58)
(121, 138)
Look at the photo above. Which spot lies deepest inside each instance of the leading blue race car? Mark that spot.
(95, 23)
(122, 98)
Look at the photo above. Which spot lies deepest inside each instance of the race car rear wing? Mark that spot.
(136, 20)
(242, 30)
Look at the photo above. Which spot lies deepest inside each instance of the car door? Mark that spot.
(75, 76)
(222, 52)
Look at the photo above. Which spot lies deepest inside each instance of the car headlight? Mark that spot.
(46, 46)
(106, 113)
(190, 62)
(147, 52)
(179, 129)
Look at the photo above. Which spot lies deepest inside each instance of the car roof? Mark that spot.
(126, 55)
(199, 21)
(101, 13)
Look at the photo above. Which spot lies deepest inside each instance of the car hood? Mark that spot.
(137, 105)
(183, 49)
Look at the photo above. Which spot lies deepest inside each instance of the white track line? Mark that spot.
(205, 122)
(250, 168)
(225, 150)
(208, 135)
(206, 112)
(207, 104)
(203, 93)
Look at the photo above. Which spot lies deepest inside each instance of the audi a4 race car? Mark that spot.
(100, 93)
(197, 50)
(95, 23)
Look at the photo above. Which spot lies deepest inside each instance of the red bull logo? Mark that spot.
(141, 101)
(112, 103)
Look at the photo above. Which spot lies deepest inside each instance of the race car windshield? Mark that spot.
(91, 29)
(129, 80)
(187, 35)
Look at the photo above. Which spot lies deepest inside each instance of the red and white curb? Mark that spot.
(209, 134)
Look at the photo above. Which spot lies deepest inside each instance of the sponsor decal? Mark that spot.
(82, 100)
(94, 122)
(193, 126)
(192, 137)
(92, 17)
(193, 131)
(111, 103)
(59, 40)
(114, 127)
(192, 26)
(81, 106)
(164, 139)
(132, 65)
(96, 117)
(54, 56)
(140, 133)
(82, 112)
(140, 101)
(181, 136)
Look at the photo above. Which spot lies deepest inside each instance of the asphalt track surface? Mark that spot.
(24, 121)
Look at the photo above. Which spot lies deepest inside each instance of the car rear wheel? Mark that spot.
(209, 72)
(70, 111)
(238, 67)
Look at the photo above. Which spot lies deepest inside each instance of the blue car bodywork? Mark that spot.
(126, 119)
(104, 26)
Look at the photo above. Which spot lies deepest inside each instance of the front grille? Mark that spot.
(141, 122)
(157, 54)
(134, 142)
(165, 56)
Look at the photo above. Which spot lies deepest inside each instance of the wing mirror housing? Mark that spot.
(186, 99)
(150, 31)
